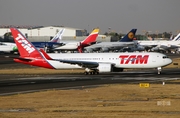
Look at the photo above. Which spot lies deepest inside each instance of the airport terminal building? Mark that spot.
(45, 33)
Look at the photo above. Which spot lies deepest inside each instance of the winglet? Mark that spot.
(129, 37)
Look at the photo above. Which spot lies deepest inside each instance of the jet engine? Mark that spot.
(108, 68)
(104, 49)
(104, 67)
(155, 49)
(140, 48)
(88, 50)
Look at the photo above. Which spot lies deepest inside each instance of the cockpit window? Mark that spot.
(164, 57)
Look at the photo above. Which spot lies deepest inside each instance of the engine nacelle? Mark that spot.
(108, 68)
(155, 49)
(104, 67)
(140, 48)
(88, 50)
(104, 49)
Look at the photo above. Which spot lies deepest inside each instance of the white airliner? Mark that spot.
(126, 41)
(53, 43)
(71, 46)
(93, 63)
(161, 45)
(7, 47)
(176, 38)
(168, 45)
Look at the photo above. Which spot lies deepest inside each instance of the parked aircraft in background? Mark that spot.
(176, 38)
(7, 47)
(125, 42)
(74, 46)
(49, 46)
(161, 45)
(93, 63)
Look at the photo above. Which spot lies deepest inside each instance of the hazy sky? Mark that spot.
(119, 15)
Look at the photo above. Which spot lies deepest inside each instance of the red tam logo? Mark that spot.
(134, 59)
(25, 44)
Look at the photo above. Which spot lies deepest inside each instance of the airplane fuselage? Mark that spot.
(7, 47)
(119, 60)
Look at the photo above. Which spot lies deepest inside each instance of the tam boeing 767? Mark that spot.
(93, 63)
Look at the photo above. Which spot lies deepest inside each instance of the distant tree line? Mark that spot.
(7, 37)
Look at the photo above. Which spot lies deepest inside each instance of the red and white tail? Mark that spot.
(91, 38)
(25, 48)
(28, 53)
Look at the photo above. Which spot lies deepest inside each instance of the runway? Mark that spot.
(14, 84)
(79, 81)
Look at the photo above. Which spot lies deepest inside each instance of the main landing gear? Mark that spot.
(159, 70)
(91, 71)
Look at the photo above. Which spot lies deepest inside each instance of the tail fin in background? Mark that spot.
(91, 38)
(129, 37)
(58, 37)
(177, 38)
(25, 48)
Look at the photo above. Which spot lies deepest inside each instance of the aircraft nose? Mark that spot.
(169, 61)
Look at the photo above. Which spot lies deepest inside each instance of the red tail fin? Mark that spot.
(25, 48)
(28, 53)
(91, 38)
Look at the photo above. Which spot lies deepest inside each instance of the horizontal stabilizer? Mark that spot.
(23, 59)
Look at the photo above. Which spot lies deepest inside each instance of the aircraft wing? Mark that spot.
(83, 64)
(166, 47)
(23, 59)
(93, 47)
(109, 46)
(121, 44)
(147, 44)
